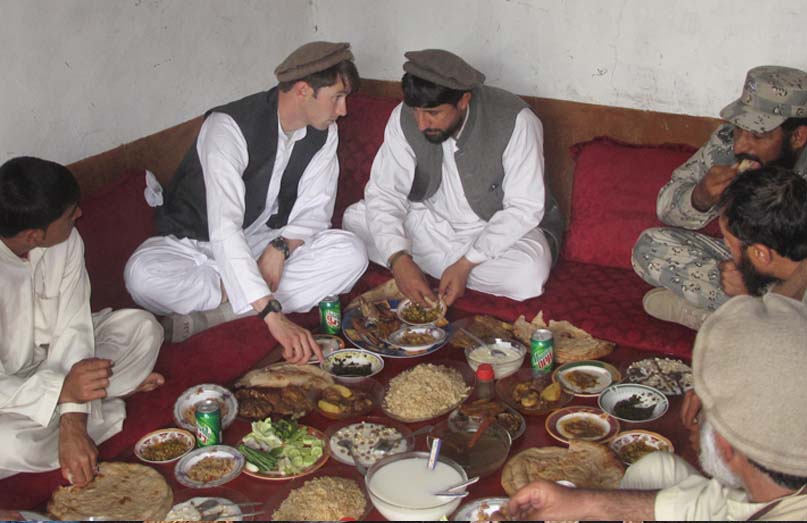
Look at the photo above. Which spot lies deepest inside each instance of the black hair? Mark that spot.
(790, 125)
(783, 480)
(344, 70)
(768, 206)
(34, 193)
(418, 92)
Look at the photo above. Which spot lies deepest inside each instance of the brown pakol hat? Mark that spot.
(311, 58)
(750, 371)
(443, 68)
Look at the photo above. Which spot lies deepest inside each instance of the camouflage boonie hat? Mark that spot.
(771, 95)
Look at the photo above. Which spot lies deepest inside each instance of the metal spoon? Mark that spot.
(385, 445)
(348, 445)
(494, 352)
(453, 491)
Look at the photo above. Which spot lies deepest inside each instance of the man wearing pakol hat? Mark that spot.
(750, 372)
(766, 125)
(244, 226)
(457, 189)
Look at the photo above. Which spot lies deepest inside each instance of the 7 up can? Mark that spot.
(330, 315)
(542, 351)
(208, 423)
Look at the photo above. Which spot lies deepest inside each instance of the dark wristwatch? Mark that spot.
(272, 306)
(282, 245)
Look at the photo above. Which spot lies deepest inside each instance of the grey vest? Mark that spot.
(491, 120)
(184, 213)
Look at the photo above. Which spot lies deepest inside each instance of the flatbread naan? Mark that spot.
(284, 374)
(120, 491)
(571, 343)
(586, 464)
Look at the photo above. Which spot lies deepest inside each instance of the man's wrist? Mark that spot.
(73, 420)
(272, 306)
(395, 257)
(698, 199)
(282, 245)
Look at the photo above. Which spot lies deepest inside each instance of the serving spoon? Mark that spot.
(452, 491)
(479, 342)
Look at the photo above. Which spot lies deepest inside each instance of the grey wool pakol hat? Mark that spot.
(771, 95)
(443, 68)
(749, 366)
(311, 58)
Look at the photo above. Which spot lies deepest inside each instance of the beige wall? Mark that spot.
(83, 76)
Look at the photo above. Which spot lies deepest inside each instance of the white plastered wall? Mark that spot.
(83, 76)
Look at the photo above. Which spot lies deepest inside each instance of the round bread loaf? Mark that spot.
(586, 464)
(120, 491)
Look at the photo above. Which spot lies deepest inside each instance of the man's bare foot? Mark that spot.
(152, 381)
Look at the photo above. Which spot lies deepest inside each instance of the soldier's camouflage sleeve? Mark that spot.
(674, 203)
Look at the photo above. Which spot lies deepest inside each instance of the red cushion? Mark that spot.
(361, 133)
(614, 197)
(116, 221)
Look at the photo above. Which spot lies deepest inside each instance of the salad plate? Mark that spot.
(281, 450)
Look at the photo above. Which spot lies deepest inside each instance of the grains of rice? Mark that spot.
(425, 391)
(323, 499)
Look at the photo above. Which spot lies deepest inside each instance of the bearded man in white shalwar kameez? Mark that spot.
(63, 370)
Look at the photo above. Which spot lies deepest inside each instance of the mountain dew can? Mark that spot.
(330, 315)
(542, 351)
(208, 423)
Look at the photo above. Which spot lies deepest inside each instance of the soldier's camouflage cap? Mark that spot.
(771, 95)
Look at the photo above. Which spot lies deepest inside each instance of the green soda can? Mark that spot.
(542, 351)
(208, 423)
(330, 315)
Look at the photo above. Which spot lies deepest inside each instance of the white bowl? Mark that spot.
(398, 339)
(352, 356)
(503, 366)
(217, 451)
(480, 509)
(160, 436)
(184, 407)
(411, 500)
(646, 438)
(623, 391)
(404, 304)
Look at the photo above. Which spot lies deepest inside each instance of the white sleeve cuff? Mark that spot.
(475, 256)
(69, 408)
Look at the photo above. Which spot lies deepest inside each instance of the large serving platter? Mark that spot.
(383, 347)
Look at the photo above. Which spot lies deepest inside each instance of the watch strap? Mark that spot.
(282, 245)
(272, 306)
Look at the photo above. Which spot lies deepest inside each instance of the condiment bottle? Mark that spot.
(485, 388)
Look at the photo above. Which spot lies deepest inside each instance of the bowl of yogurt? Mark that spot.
(413, 499)
(506, 356)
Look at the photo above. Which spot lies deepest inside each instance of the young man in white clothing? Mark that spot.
(245, 224)
(63, 370)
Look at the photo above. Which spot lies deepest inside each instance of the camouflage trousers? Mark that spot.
(686, 262)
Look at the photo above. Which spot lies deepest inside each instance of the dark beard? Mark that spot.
(788, 156)
(442, 136)
(756, 283)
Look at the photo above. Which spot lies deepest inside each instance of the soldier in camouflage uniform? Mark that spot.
(767, 125)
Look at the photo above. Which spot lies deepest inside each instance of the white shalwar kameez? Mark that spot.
(46, 327)
(167, 275)
(513, 254)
